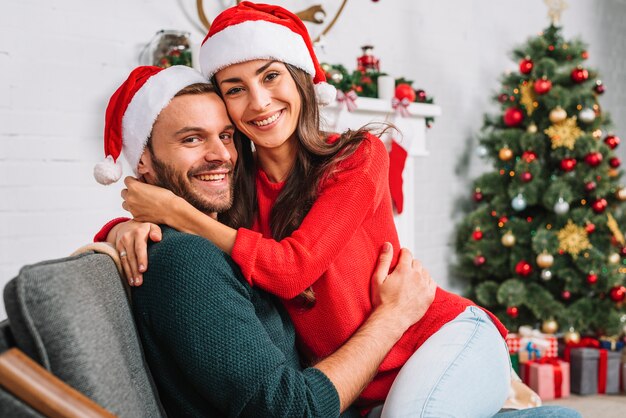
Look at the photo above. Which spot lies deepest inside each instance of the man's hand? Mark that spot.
(406, 293)
(131, 241)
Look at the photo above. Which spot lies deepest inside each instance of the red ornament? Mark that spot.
(612, 141)
(566, 294)
(614, 162)
(593, 159)
(590, 228)
(367, 61)
(618, 293)
(513, 117)
(568, 164)
(592, 278)
(584, 55)
(599, 205)
(479, 260)
(477, 235)
(512, 311)
(421, 95)
(623, 251)
(405, 91)
(503, 220)
(542, 86)
(523, 268)
(599, 87)
(503, 98)
(526, 65)
(579, 75)
(590, 186)
(529, 156)
(478, 196)
(526, 176)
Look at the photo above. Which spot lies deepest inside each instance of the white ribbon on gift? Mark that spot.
(401, 106)
(349, 99)
(538, 339)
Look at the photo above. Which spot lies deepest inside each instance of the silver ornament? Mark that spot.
(587, 115)
(335, 76)
(518, 203)
(561, 207)
(481, 151)
(546, 275)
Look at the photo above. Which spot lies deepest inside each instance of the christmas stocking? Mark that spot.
(397, 158)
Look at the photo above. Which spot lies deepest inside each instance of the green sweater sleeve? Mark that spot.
(228, 341)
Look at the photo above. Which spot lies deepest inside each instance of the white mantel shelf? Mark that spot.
(413, 140)
(412, 128)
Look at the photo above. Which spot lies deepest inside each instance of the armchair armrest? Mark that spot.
(43, 391)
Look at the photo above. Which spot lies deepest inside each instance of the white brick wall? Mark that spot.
(60, 61)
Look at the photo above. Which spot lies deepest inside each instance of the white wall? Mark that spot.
(60, 61)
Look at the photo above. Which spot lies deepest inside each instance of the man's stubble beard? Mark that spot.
(180, 184)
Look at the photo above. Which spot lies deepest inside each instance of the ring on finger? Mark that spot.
(122, 253)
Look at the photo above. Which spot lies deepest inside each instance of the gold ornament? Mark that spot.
(527, 97)
(571, 336)
(558, 114)
(621, 193)
(614, 228)
(532, 128)
(564, 134)
(545, 260)
(613, 258)
(597, 134)
(573, 239)
(549, 326)
(505, 154)
(508, 239)
(613, 172)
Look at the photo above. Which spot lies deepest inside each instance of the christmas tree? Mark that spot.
(543, 243)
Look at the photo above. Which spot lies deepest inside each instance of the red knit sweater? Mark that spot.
(335, 250)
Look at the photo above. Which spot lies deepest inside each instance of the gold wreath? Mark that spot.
(307, 15)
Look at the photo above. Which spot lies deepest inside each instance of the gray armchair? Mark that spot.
(72, 316)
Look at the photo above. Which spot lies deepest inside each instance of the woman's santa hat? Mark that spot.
(132, 111)
(251, 31)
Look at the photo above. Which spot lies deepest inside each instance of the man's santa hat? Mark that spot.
(251, 31)
(132, 111)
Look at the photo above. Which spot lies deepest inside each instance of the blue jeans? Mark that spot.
(541, 412)
(463, 370)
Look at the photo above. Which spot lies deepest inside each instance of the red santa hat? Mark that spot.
(132, 111)
(251, 31)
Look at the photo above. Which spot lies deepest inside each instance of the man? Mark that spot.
(217, 347)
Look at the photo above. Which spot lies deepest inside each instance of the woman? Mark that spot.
(318, 201)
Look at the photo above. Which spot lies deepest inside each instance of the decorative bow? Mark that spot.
(401, 106)
(537, 338)
(349, 99)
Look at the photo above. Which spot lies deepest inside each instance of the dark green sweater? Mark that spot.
(215, 346)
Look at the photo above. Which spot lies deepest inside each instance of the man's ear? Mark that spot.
(144, 167)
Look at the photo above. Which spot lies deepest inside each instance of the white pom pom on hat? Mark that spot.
(132, 111)
(250, 31)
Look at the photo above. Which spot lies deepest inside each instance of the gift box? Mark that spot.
(515, 362)
(594, 371)
(611, 343)
(549, 377)
(546, 343)
(512, 341)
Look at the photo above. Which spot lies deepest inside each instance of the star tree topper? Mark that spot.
(555, 8)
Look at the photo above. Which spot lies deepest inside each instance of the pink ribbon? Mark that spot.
(401, 106)
(349, 99)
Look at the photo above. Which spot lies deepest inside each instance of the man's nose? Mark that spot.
(216, 151)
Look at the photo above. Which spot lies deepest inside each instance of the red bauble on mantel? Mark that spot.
(543, 85)
(513, 117)
(526, 65)
(579, 75)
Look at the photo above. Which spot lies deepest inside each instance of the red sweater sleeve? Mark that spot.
(350, 196)
(101, 236)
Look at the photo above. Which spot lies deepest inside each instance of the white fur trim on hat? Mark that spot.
(108, 171)
(325, 93)
(147, 104)
(254, 39)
